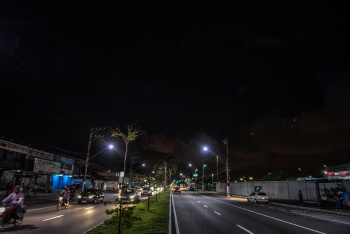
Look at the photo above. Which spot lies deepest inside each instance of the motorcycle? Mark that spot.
(6, 211)
(62, 202)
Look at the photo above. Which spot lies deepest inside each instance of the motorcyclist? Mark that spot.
(65, 193)
(72, 192)
(16, 198)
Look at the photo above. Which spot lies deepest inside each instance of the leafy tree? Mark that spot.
(131, 135)
(276, 176)
(165, 167)
(122, 217)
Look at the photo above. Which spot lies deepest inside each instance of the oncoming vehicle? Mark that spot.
(177, 190)
(146, 192)
(258, 197)
(91, 195)
(128, 195)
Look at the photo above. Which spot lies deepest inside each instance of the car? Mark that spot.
(44, 188)
(128, 195)
(93, 195)
(191, 188)
(177, 190)
(146, 192)
(258, 197)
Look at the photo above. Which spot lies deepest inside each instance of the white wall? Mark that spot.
(281, 189)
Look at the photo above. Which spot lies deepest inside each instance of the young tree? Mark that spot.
(165, 166)
(131, 135)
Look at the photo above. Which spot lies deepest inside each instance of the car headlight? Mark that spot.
(91, 197)
(79, 196)
(132, 197)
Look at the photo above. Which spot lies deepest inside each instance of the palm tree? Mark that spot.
(165, 166)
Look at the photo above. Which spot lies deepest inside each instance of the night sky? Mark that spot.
(272, 79)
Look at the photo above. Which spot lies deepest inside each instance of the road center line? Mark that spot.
(198, 201)
(205, 206)
(217, 212)
(52, 218)
(41, 208)
(245, 229)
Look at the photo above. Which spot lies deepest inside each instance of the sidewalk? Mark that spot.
(311, 205)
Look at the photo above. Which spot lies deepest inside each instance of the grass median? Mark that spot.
(153, 212)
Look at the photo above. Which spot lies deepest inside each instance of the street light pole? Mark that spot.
(217, 163)
(195, 179)
(87, 162)
(227, 179)
(203, 178)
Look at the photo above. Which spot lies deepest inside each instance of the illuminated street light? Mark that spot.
(203, 178)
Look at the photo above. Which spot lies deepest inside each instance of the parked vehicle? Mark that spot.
(128, 195)
(44, 188)
(62, 203)
(6, 215)
(146, 192)
(93, 195)
(258, 197)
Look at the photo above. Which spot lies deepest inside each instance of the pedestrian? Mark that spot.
(301, 200)
(341, 199)
(346, 200)
(8, 188)
(35, 188)
(337, 201)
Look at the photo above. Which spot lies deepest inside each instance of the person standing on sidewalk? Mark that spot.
(337, 201)
(301, 200)
(35, 188)
(346, 200)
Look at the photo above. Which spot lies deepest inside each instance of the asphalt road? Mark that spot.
(211, 213)
(42, 216)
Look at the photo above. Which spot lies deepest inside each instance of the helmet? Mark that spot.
(65, 187)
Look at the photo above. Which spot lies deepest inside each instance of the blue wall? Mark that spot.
(59, 181)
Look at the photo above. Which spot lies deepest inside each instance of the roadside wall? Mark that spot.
(282, 189)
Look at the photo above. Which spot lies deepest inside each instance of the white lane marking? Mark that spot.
(41, 208)
(205, 206)
(175, 217)
(198, 201)
(267, 216)
(316, 217)
(245, 229)
(217, 212)
(52, 218)
(88, 208)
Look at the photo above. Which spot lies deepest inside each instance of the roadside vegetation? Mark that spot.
(152, 217)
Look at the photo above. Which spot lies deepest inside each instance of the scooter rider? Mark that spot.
(16, 198)
(65, 193)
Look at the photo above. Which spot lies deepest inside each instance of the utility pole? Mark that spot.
(91, 139)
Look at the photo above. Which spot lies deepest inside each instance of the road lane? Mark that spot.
(197, 213)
